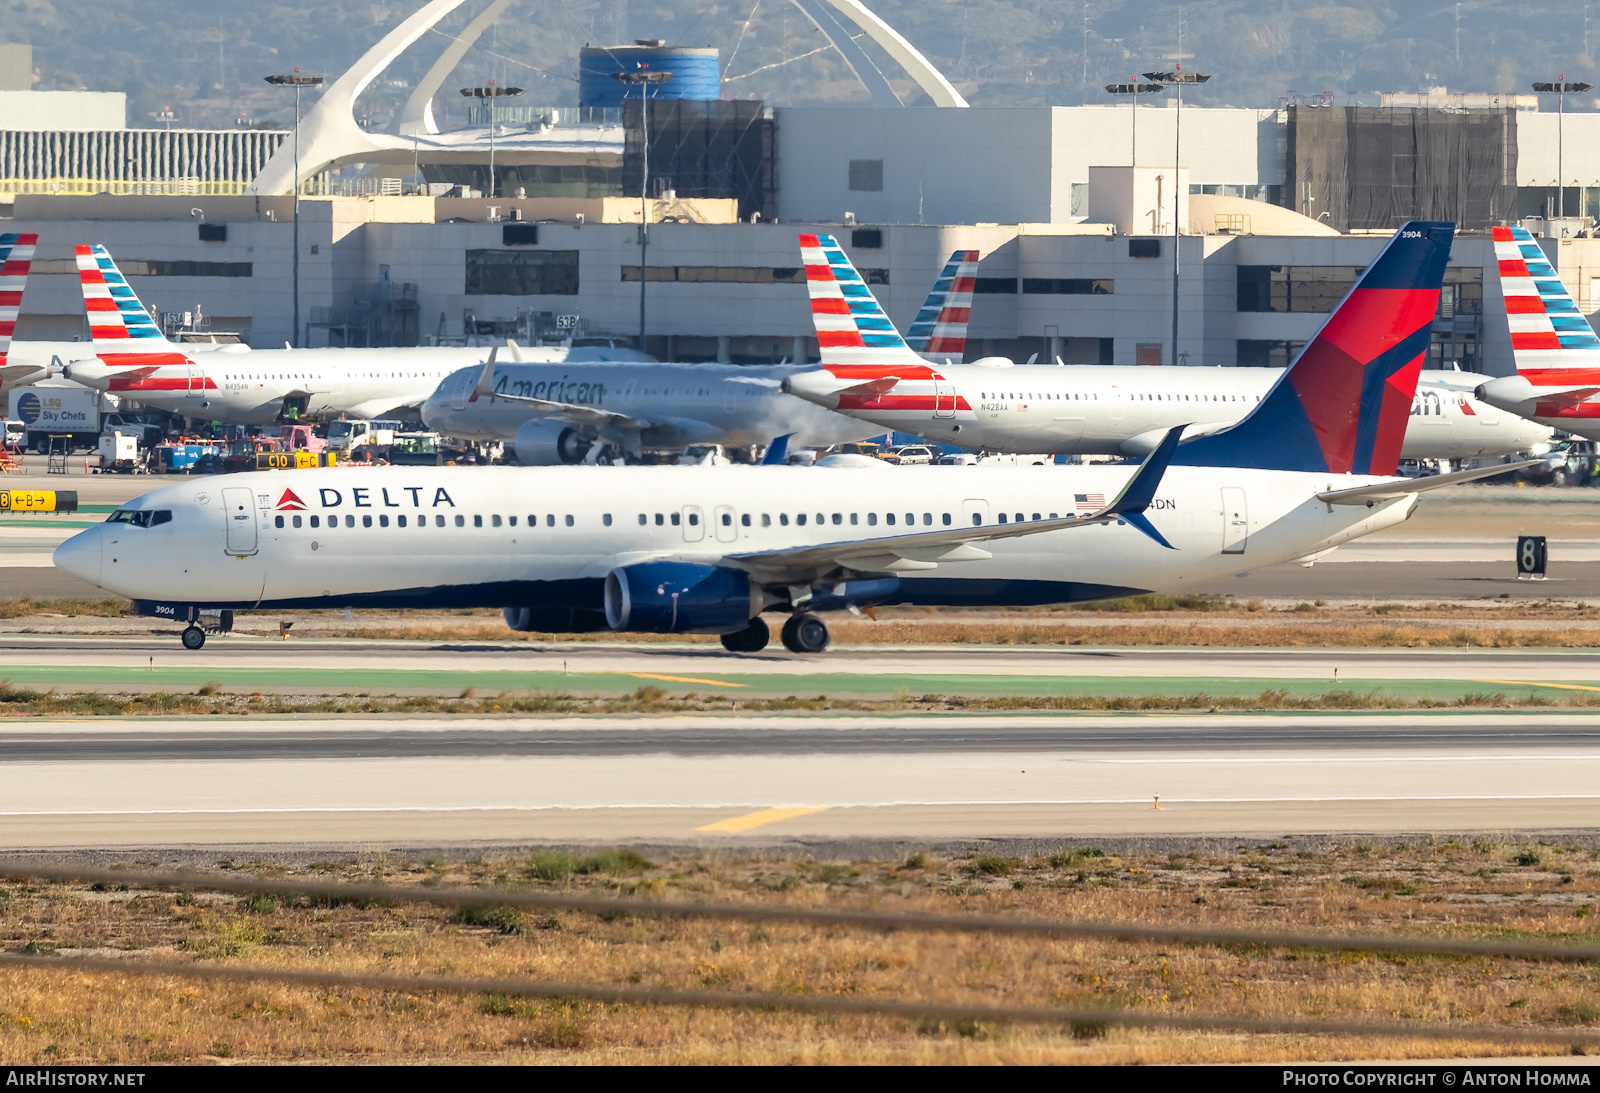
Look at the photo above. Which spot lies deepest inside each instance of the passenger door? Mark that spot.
(1235, 520)
(239, 509)
(944, 398)
(694, 523)
(727, 523)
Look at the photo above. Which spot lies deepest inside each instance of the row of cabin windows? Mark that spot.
(890, 519)
(318, 375)
(438, 521)
(854, 518)
(1136, 397)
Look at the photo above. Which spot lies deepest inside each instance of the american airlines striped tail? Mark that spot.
(1551, 341)
(940, 330)
(16, 255)
(120, 329)
(851, 325)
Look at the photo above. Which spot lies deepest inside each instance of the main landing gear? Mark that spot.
(752, 639)
(805, 634)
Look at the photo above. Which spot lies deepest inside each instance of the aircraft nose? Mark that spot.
(82, 555)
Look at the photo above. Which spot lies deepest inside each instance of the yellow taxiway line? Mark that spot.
(1526, 683)
(756, 819)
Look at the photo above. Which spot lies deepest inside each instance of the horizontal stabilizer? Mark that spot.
(1400, 487)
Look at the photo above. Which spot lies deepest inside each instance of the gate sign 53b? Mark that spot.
(1530, 556)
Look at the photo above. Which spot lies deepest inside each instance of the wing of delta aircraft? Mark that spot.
(16, 257)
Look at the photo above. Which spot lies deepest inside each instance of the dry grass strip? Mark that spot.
(1521, 893)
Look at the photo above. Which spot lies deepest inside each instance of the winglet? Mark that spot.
(1141, 488)
(486, 377)
(776, 452)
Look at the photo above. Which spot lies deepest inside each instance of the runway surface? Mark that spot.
(349, 666)
(760, 780)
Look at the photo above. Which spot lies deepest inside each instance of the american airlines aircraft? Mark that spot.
(710, 549)
(565, 414)
(1099, 409)
(16, 256)
(129, 357)
(1555, 349)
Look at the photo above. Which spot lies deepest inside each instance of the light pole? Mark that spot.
(642, 78)
(491, 93)
(296, 81)
(1134, 90)
(1177, 78)
(1560, 89)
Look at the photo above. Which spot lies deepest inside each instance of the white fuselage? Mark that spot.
(1112, 409)
(249, 387)
(669, 405)
(547, 537)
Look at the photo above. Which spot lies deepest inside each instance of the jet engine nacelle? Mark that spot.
(541, 443)
(554, 620)
(680, 598)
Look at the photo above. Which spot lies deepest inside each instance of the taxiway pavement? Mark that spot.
(751, 781)
(340, 666)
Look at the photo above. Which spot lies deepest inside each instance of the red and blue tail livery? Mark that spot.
(939, 332)
(16, 256)
(1343, 406)
(851, 326)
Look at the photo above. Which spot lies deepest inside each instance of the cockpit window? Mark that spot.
(140, 518)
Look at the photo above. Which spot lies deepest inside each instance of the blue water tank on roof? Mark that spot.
(696, 73)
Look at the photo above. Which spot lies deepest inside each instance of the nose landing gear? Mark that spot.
(805, 634)
(193, 637)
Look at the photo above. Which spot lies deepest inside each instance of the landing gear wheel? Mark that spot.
(805, 634)
(193, 637)
(752, 639)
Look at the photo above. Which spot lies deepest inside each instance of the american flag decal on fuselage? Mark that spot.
(1089, 502)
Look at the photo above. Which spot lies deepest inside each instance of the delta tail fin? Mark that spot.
(1344, 404)
(852, 327)
(121, 330)
(940, 330)
(1551, 341)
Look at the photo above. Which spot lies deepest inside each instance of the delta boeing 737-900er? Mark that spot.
(1110, 409)
(555, 414)
(128, 356)
(710, 549)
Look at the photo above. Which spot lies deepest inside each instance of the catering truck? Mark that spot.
(71, 411)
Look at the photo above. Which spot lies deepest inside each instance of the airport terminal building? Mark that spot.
(1077, 212)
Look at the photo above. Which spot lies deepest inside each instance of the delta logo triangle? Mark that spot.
(289, 501)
